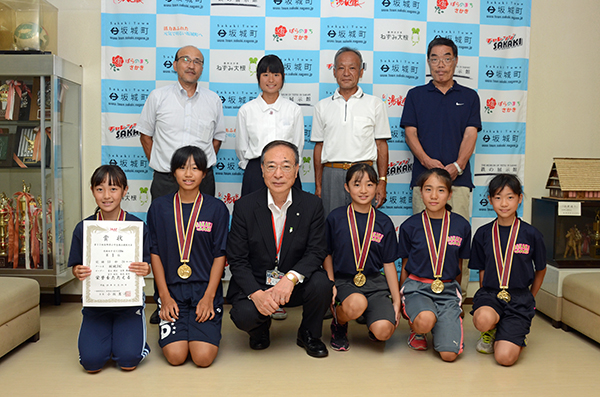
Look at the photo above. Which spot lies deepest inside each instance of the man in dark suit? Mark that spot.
(275, 250)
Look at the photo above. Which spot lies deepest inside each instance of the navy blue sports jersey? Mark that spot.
(210, 236)
(412, 244)
(339, 242)
(76, 254)
(529, 256)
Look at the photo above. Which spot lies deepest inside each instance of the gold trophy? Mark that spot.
(4, 220)
(595, 247)
(23, 226)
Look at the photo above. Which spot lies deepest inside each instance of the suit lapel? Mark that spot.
(292, 221)
(265, 226)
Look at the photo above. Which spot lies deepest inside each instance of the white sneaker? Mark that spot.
(485, 344)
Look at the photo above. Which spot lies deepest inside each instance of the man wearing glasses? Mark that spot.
(180, 114)
(441, 120)
(275, 250)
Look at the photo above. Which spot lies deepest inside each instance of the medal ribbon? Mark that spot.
(360, 251)
(184, 239)
(121, 216)
(277, 245)
(436, 254)
(504, 265)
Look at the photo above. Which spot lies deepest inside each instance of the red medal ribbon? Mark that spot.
(361, 251)
(121, 216)
(278, 245)
(184, 238)
(504, 265)
(436, 254)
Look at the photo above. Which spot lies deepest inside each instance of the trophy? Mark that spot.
(595, 247)
(4, 222)
(23, 226)
(39, 218)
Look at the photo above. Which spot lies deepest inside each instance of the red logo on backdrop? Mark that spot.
(228, 198)
(503, 106)
(124, 131)
(280, 32)
(346, 3)
(117, 62)
(441, 6)
(393, 100)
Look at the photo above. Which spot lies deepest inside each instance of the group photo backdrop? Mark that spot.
(140, 39)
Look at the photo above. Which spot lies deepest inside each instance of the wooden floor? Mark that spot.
(555, 363)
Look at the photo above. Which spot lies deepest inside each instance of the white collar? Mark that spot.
(271, 203)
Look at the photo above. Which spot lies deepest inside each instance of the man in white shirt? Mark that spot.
(178, 115)
(348, 127)
(181, 114)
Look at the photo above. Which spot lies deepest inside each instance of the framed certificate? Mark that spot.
(109, 247)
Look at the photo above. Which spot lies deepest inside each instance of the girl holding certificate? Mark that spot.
(360, 241)
(117, 333)
(511, 258)
(189, 231)
(432, 245)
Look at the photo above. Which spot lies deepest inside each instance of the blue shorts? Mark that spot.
(187, 296)
(376, 290)
(112, 332)
(447, 332)
(515, 316)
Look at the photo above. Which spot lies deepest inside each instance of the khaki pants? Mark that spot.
(460, 201)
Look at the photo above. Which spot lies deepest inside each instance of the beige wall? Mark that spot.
(563, 116)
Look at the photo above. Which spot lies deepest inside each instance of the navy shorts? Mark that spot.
(187, 296)
(515, 316)
(376, 290)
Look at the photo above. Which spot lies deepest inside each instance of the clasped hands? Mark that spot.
(267, 302)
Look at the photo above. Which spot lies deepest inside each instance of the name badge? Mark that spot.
(273, 276)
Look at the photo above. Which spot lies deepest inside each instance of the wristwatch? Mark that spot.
(291, 277)
(460, 170)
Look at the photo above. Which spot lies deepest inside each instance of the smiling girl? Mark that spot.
(117, 333)
(432, 245)
(189, 231)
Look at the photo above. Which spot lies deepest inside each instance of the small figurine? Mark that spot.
(573, 237)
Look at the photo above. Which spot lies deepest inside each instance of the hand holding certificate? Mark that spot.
(113, 252)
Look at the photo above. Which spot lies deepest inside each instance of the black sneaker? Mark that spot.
(339, 336)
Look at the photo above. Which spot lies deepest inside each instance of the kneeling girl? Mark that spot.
(189, 231)
(432, 245)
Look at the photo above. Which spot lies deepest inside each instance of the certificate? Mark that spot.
(109, 247)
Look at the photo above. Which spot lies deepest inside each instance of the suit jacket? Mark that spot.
(251, 249)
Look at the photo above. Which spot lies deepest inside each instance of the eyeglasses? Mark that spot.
(445, 61)
(285, 168)
(186, 60)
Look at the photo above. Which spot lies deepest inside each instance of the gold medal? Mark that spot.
(504, 295)
(437, 255)
(185, 237)
(437, 286)
(360, 279)
(361, 251)
(504, 263)
(184, 271)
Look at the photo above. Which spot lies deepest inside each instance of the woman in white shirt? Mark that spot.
(264, 119)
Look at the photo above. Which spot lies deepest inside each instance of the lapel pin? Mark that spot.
(291, 229)
(297, 214)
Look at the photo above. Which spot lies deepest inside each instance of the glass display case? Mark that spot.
(40, 166)
(571, 230)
